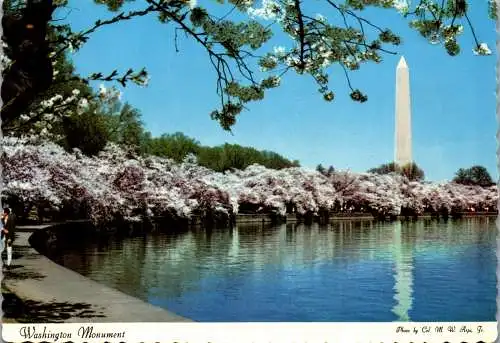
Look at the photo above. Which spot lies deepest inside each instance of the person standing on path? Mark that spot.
(9, 227)
(2, 237)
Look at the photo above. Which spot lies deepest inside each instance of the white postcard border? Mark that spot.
(400, 332)
(264, 332)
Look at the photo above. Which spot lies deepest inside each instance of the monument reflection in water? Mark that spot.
(403, 274)
(346, 271)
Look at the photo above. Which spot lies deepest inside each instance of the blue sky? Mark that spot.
(453, 98)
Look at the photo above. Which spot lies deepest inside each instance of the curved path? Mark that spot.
(57, 294)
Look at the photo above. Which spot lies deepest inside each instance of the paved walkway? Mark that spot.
(53, 293)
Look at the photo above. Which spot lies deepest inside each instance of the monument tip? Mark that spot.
(402, 63)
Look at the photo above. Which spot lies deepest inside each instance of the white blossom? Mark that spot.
(401, 6)
(114, 184)
(144, 82)
(279, 51)
(320, 17)
(109, 94)
(482, 49)
(24, 117)
(270, 10)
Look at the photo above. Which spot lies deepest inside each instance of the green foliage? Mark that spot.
(229, 156)
(87, 132)
(235, 47)
(324, 171)
(320, 169)
(92, 130)
(175, 146)
(109, 120)
(65, 83)
(124, 126)
(220, 158)
(475, 176)
(237, 44)
(411, 171)
(386, 168)
(13, 6)
(492, 9)
(113, 5)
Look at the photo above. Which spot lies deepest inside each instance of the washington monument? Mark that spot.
(402, 149)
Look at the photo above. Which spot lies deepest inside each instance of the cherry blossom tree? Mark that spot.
(318, 36)
(117, 186)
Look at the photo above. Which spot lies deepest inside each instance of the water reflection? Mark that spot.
(403, 269)
(345, 271)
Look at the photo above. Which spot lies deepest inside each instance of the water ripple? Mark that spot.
(345, 271)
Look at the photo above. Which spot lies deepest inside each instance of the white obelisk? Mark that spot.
(402, 153)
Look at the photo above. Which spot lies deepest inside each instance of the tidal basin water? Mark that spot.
(345, 271)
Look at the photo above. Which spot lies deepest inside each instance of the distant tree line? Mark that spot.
(121, 124)
(325, 171)
(411, 170)
(474, 176)
(219, 158)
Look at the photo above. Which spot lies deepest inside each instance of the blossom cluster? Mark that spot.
(5, 61)
(316, 43)
(50, 111)
(115, 184)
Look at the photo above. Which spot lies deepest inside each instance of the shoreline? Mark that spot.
(38, 289)
(158, 222)
(52, 293)
(293, 218)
